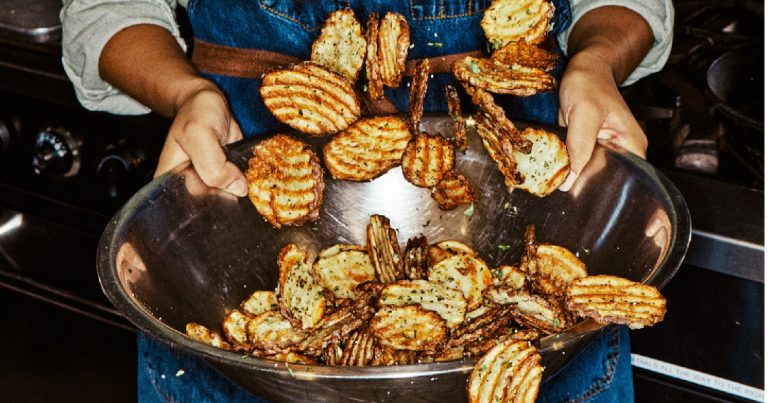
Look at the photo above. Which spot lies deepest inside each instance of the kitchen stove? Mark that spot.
(64, 171)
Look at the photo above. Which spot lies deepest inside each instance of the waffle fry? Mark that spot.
(511, 20)
(272, 333)
(341, 45)
(466, 273)
(259, 302)
(300, 297)
(341, 268)
(384, 250)
(609, 299)
(500, 78)
(285, 181)
(367, 149)
(524, 54)
(310, 98)
(202, 334)
(509, 372)
(452, 191)
(448, 303)
(459, 123)
(417, 94)
(372, 64)
(394, 41)
(426, 159)
(409, 327)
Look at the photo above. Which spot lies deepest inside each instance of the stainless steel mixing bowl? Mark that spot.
(179, 252)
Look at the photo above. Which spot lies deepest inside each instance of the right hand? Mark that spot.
(202, 126)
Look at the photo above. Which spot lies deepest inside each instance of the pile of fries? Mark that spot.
(376, 304)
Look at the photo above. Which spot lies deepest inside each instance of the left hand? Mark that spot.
(592, 108)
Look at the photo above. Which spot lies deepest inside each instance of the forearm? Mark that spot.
(612, 38)
(146, 62)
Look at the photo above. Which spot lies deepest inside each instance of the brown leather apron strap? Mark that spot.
(252, 63)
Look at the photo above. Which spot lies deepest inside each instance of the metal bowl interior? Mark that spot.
(180, 252)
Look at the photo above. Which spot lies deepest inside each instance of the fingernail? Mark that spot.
(238, 188)
(566, 186)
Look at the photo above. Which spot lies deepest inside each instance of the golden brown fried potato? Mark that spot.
(510, 276)
(351, 315)
(409, 327)
(310, 98)
(259, 302)
(359, 349)
(301, 298)
(394, 41)
(285, 181)
(372, 62)
(531, 310)
(415, 258)
(522, 53)
(452, 190)
(466, 273)
(610, 299)
(501, 149)
(272, 333)
(417, 94)
(234, 328)
(500, 78)
(556, 267)
(512, 20)
(341, 45)
(341, 268)
(445, 249)
(459, 123)
(426, 159)
(202, 334)
(367, 149)
(496, 118)
(448, 303)
(546, 167)
(384, 249)
(509, 372)
(483, 325)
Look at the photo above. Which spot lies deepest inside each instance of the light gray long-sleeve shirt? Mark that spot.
(89, 24)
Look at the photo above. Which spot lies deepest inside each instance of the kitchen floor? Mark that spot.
(49, 354)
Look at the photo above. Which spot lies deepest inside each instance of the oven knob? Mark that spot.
(116, 171)
(56, 153)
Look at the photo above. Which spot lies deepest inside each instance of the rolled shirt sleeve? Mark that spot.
(660, 16)
(87, 25)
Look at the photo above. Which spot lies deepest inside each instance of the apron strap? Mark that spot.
(252, 63)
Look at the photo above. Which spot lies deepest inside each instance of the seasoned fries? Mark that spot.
(394, 41)
(341, 45)
(426, 159)
(512, 20)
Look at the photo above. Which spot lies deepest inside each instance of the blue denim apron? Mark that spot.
(600, 373)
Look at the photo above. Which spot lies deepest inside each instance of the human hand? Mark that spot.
(592, 108)
(200, 129)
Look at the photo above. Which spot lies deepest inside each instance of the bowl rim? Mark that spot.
(136, 313)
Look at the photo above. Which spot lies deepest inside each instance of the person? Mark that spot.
(127, 57)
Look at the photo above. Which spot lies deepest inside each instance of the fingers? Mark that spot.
(583, 127)
(201, 144)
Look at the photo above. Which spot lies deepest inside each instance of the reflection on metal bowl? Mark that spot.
(178, 252)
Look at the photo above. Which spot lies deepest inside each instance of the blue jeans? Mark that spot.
(602, 372)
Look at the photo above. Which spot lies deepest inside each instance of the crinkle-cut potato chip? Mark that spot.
(301, 297)
(512, 20)
(445, 249)
(351, 315)
(509, 372)
(310, 98)
(372, 62)
(556, 267)
(272, 333)
(202, 334)
(426, 159)
(409, 327)
(453, 190)
(367, 149)
(546, 167)
(384, 249)
(387, 356)
(417, 94)
(522, 53)
(394, 41)
(610, 299)
(501, 149)
(531, 310)
(332, 353)
(285, 181)
(259, 302)
(466, 273)
(482, 326)
(341, 44)
(234, 326)
(457, 119)
(341, 268)
(358, 349)
(496, 119)
(415, 258)
(510, 276)
(450, 304)
(500, 78)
